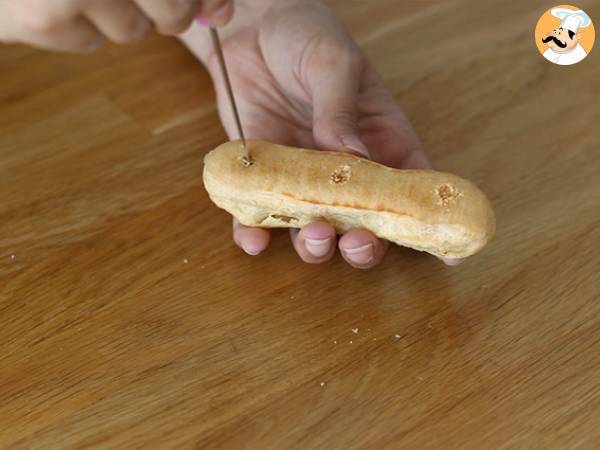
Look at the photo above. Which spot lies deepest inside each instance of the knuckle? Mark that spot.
(345, 118)
(340, 54)
(336, 124)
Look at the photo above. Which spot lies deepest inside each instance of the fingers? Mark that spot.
(170, 16)
(315, 243)
(35, 23)
(252, 240)
(334, 81)
(361, 249)
(120, 21)
(82, 26)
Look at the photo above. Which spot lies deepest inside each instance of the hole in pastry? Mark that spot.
(447, 193)
(286, 219)
(340, 175)
(247, 162)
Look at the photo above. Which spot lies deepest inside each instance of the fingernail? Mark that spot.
(354, 144)
(318, 247)
(360, 255)
(202, 21)
(251, 251)
(452, 261)
(221, 15)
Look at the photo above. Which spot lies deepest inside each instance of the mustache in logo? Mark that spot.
(556, 41)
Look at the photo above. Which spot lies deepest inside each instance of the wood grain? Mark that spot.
(131, 320)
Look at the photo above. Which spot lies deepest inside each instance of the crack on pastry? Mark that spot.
(447, 194)
(380, 207)
(340, 175)
(286, 219)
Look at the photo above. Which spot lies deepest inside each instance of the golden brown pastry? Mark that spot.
(436, 212)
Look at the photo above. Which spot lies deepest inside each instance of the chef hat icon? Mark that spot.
(571, 19)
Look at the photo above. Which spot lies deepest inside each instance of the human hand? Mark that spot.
(300, 80)
(84, 25)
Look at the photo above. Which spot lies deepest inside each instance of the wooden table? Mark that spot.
(129, 319)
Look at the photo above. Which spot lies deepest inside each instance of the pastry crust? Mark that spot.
(426, 210)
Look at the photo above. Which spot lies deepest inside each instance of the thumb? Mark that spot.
(335, 98)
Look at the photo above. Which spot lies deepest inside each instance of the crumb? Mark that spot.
(335, 342)
(322, 383)
(374, 339)
(292, 297)
(185, 260)
(12, 256)
(351, 342)
(202, 266)
(355, 330)
(397, 336)
(420, 378)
